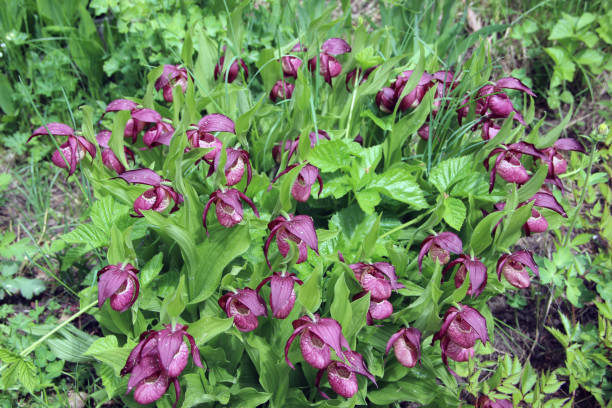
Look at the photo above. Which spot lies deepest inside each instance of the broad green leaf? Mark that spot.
(449, 171)
(533, 185)
(6, 96)
(27, 374)
(207, 55)
(454, 212)
(309, 294)
(151, 269)
(341, 306)
(481, 237)
(414, 389)
(563, 62)
(399, 183)
(209, 327)
(187, 50)
(383, 123)
(551, 137)
(512, 225)
(107, 350)
(368, 200)
(71, 344)
(367, 58)
(370, 240)
(359, 312)
(561, 30)
(409, 124)
(592, 58)
(173, 306)
(116, 250)
(228, 243)
(271, 367)
(195, 393)
(331, 155)
(248, 397)
(117, 139)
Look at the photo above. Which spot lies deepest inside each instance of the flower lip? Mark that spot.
(245, 306)
(446, 241)
(406, 344)
(229, 199)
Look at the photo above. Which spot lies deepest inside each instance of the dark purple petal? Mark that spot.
(282, 295)
(475, 319)
(358, 366)
(336, 46)
(427, 243)
(147, 115)
(110, 279)
(330, 332)
(216, 122)
(302, 227)
(146, 367)
(126, 295)
(449, 241)
(513, 83)
(296, 331)
(547, 200)
(121, 104)
(526, 258)
(569, 144)
(142, 176)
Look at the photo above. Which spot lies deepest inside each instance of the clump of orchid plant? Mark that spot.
(158, 359)
(158, 198)
(70, 152)
(118, 283)
(378, 279)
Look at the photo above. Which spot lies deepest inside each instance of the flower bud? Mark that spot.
(282, 90)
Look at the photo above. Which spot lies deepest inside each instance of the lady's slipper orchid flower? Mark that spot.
(202, 137)
(232, 72)
(317, 338)
(508, 164)
(109, 159)
(282, 295)
(329, 67)
(490, 129)
(378, 310)
(512, 266)
(413, 98)
(160, 133)
(342, 377)
(118, 283)
(292, 145)
(72, 151)
(459, 332)
(291, 65)
(556, 162)
(486, 402)
(281, 90)
(544, 199)
(302, 186)
(494, 100)
(406, 345)
(159, 358)
(439, 247)
(157, 198)
(171, 76)
(228, 207)
(244, 306)
(296, 228)
(140, 116)
(477, 270)
(235, 163)
(386, 100)
(378, 278)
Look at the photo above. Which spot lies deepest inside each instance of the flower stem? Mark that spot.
(33, 346)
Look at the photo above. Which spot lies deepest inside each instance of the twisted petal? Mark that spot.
(142, 176)
(216, 122)
(336, 46)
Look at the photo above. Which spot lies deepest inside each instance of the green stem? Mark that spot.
(350, 117)
(33, 346)
(407, 224)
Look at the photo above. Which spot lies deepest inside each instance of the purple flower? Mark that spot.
(233, 71)
(342, 376)
(228, 207)
(109, 159)
(508, 164)
(378, 310)
(140, 116)
(486, 402)
(236, 161)
(317, 337)
(157, 198)
(159, 358)
(73, 150)
(477, 270)
(160, 133)
(556, 162)
(120, 284)
(378, 278)
(329, 67)
(492, 99)
(171, 76)
(386, 100)
(490, 129)
(439, 248)
(244, 305)
(291, 65)
(302, 186)
(406, 345)
(202, 137)
(413, 98)
(461, 327)
(299, 229)
(512, 266)
(281, 90)
(282, 295)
